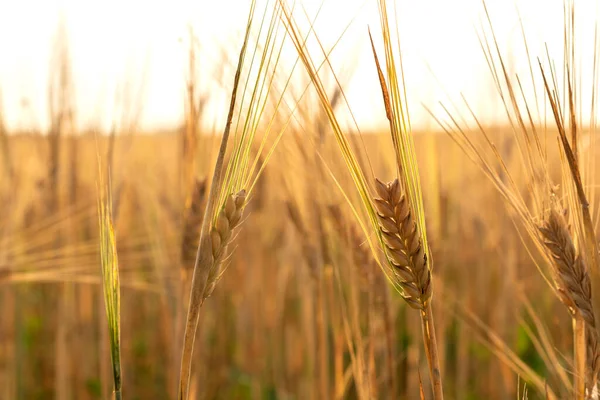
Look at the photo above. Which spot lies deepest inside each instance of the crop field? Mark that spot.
(289, 254)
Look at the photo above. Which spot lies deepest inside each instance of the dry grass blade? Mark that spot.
(501, 349)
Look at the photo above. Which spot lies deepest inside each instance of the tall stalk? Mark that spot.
(579, 350)
(430, 342)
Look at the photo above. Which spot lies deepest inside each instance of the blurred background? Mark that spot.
(146, 85)
(135, 53)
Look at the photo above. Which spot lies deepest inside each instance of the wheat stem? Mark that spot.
(388, 322)
(433, 360)
(579, 350)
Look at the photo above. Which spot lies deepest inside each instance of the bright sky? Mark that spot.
(120, 46)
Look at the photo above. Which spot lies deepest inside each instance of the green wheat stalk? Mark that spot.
(110, 281)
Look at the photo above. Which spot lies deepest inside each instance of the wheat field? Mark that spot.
(296, 257)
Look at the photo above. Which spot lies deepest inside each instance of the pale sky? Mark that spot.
(120, 46)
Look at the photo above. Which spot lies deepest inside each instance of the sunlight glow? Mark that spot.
(134, 53)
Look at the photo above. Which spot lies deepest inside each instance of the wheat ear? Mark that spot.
(194, 214)
(220, 235)
(573, 285)
(409, 266)
(403, 244)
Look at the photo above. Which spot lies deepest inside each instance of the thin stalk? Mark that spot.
(433, 361)
(104, 350)
(338, 364)
(372, 366)
(579, 351)
(389, 344)
(322, 348)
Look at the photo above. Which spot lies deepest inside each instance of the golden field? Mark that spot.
(274, 327)
(288, 255)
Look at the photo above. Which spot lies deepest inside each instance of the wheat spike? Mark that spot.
(403, 244)
(194, 214)
(220, 235)
(309, 249)
(361, 252)
(573, 281)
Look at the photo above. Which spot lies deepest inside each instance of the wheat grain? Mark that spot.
(403, 244)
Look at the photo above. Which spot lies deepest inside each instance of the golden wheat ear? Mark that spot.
(193, 218)
(403, 244)
(574, 287)
(221, 233)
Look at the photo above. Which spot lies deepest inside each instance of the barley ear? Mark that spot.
(220, 235)
(403, 246)
(193, 216)
(573, 286)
